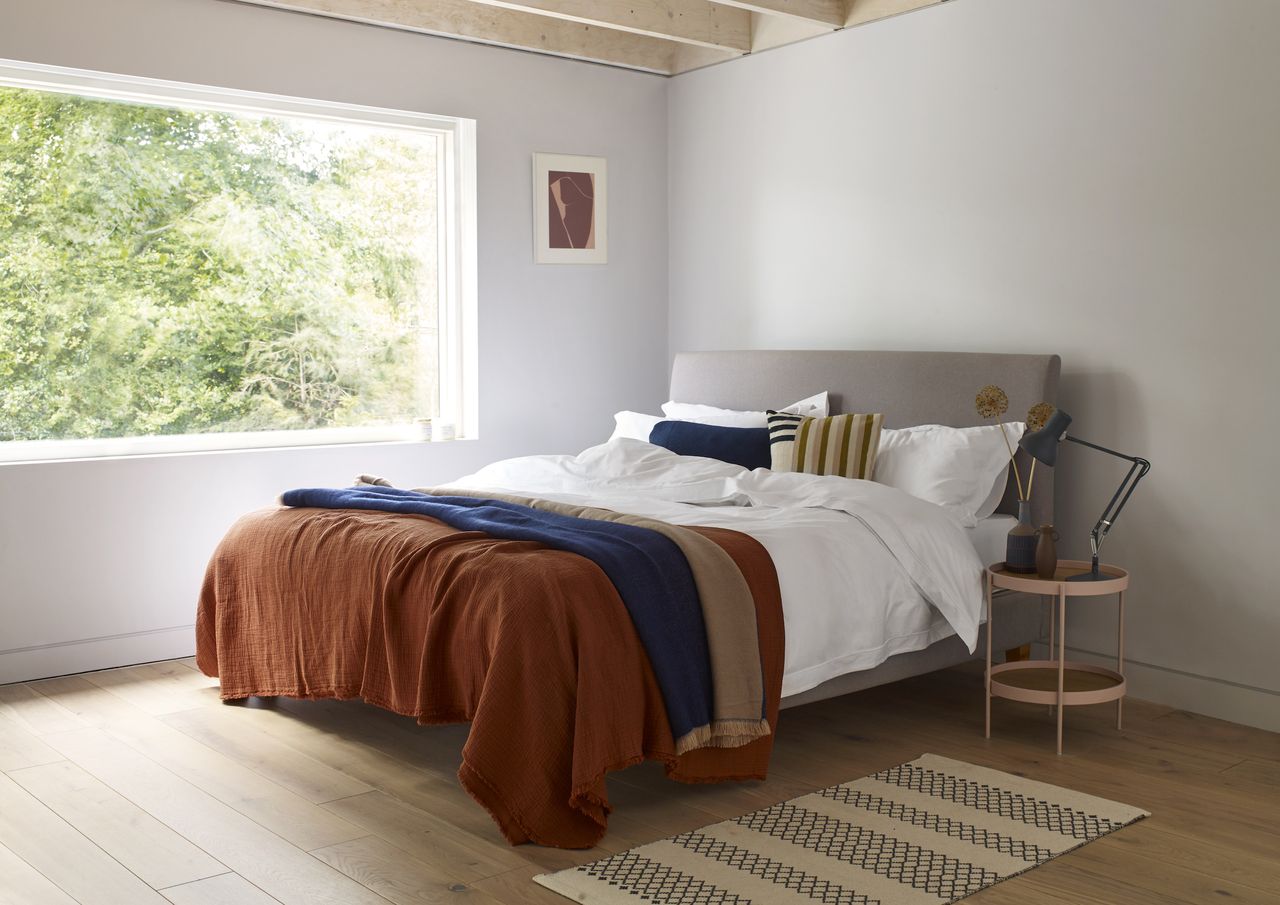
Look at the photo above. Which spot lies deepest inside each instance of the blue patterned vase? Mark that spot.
(1020, 549)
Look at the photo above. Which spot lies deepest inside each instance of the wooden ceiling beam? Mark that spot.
(689, 57)
(513, 28)
(859, 12)
(829, 13)
(697, 22)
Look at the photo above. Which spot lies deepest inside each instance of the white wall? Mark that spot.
(1093, 178)
(116, 549)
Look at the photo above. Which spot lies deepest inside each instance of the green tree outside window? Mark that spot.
(168, 271)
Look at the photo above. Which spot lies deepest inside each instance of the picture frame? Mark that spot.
(570, 209)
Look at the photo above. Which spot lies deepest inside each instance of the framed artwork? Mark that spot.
(570, 209)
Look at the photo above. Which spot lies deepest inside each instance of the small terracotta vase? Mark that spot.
(1047, 552)
(1020, 548)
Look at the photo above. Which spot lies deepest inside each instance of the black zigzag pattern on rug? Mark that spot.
(913, 865)
(957, 829)
(653, 881)
(994, 800)
(766, 868)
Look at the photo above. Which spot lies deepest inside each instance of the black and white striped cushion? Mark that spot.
(844, 445)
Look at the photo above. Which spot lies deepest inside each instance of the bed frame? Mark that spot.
(910, 388)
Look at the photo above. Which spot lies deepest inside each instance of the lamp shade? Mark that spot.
(1043, 444)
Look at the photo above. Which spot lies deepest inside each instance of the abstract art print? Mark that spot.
(570, 209)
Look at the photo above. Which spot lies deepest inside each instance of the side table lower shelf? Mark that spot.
(1036, 682)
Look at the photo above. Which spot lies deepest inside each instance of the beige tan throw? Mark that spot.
(923, 833)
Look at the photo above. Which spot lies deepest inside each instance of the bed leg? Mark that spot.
(1018, 653)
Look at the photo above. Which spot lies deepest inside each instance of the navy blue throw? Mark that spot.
(648, 569)
(745, 446)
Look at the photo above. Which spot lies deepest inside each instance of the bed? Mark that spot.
(472, 602)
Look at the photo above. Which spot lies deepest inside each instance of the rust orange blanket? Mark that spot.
(532, 646)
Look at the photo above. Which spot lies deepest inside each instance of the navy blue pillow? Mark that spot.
(745, 446)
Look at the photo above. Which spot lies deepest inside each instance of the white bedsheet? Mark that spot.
(866, 571)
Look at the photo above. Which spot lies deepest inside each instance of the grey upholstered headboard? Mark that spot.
(910, 388)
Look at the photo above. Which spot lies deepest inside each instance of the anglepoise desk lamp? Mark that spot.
(1043, 446)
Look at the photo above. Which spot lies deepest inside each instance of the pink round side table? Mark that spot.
(1057, 681)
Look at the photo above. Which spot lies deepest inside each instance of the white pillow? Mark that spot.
(633, 425)
(988, 507)
(816, 406)
(959, 468)
(638, 426)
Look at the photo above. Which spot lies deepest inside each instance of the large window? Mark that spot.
(186, 268)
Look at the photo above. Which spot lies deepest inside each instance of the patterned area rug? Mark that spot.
(930, 831)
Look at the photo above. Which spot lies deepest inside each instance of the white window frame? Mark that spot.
(456, 262)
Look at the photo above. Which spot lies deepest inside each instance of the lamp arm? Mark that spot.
(1110, 452)
(1137, 471)
(1108, 518)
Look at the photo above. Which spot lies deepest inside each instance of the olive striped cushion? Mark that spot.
(844, 445)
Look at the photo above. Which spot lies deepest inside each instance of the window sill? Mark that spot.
(30, 452)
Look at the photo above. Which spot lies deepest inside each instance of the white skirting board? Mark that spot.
(43, 661)
(1217, 698)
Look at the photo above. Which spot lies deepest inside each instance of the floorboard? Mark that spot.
(266, 860)
(63, 855)
(138, 785)
(20, 748)
(223, 730)
(144, 845)
(400, 878)
(224, 889)
(24, 885)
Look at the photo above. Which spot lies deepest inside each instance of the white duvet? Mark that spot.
(866, 571)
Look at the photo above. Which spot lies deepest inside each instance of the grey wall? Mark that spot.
(115, 549)
(1093, 178)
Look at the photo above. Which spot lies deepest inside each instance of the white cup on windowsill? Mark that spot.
(427, 430)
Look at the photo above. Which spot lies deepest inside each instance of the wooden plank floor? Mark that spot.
(137, 785)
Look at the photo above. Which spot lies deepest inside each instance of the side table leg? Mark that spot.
(1062, 654)
(987, 676)
(1053, 622)
(1120, 660)
(1053, 618)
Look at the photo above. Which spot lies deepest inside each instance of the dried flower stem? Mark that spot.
(1031, 479)
(1013, 462)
